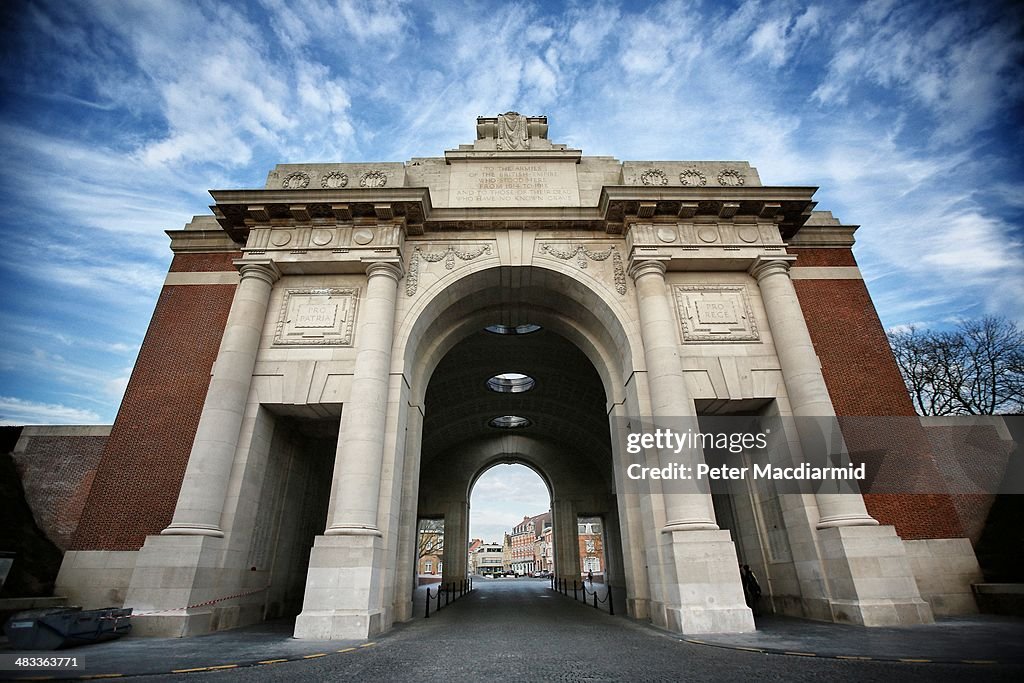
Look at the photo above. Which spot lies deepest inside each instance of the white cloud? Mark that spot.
(501, 497)
(16, 411)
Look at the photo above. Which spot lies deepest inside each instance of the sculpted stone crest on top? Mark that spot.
(512, 131)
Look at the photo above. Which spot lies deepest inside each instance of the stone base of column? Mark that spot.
(638, 608)
(342, 594)
(172, 573)
(869, 577)
(710, 591)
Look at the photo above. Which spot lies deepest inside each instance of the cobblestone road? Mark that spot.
(519, 630)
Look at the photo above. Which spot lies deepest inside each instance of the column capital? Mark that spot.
(649, 266)
(264, 269)
(389, 268)
(763, 266)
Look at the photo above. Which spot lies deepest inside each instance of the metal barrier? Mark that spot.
(452, 592)
(562, 586)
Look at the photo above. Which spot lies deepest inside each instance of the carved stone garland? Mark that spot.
(373, 179)
(692, 177)
(730, 177)
(653, 176)
(581, 254)
(412, 277)
(295, 181)
(333, 180)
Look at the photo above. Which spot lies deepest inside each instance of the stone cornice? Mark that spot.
(513, 156)
(237, 211)
(788, 206)
(824, 236)
(201, 241)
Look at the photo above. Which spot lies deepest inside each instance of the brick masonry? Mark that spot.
(864, 380)
(139, 476)
(56, 471)
(204, 263)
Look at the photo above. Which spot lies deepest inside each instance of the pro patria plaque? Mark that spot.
(317, 316)
(715, 313)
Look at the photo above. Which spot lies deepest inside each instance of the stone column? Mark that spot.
(670, 400)
(360, 454)
(698, 589)
(808, 394)
(565, 534)
(204, 487)
(343, 597)
(456, 528)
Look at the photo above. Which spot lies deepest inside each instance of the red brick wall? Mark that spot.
(138, 479)
(823, 257)
(204, 263)
(864, 380)
(57, 472)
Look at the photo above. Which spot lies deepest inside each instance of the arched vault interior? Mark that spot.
(565, 408)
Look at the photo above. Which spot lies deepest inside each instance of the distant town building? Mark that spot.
(523, 538)
(487, 559)
(471, 558)
(591, 545)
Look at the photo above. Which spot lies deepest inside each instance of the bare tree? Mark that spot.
(976, 369)
(431, 538)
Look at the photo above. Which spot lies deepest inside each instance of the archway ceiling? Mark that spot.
(567, 406)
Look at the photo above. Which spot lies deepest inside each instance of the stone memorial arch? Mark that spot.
(314, 381)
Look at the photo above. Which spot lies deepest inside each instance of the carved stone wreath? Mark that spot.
(333, 180)
(691, 177)
(373, 179)
(730, 176)
(581, 254)
(653, 176)
(295, 181)
(412, 277)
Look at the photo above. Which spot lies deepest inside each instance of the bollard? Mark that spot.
(611, 607)
(439, 598)
(574, 590)
(427, 615)
(595, 600)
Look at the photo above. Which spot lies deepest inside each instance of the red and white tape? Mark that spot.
(207, 603)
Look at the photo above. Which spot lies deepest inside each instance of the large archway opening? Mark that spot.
(518, 368)
(510, 531)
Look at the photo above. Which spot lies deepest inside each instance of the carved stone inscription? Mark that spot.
(715, 313)
(317, 317)
(526, 183)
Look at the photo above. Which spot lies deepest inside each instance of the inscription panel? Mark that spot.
(323, 316)
(715, 313)
(525, 183)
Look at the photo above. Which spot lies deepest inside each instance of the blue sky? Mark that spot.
(117, 117)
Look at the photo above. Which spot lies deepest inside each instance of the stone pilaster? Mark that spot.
(565, 533)
(343, 589)
(867, 576)
(701, 591)
(805, 385)
(204, 486)
(360, 454)
(670, 401)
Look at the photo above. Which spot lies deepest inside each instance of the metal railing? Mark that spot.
(452, 592)
(580, 592)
